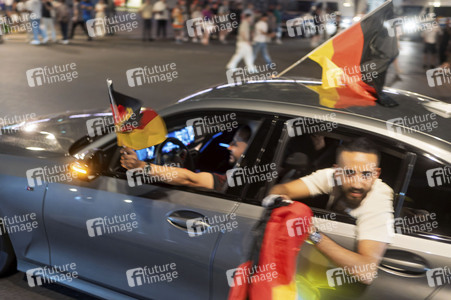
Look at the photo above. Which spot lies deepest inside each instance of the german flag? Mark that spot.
(136, 128)
(270, 271)
(354, 63)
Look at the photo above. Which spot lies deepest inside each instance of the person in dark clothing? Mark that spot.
(77, 19)
(443, 50)
(63, 17)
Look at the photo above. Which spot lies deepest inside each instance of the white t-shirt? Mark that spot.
(375, 213)
(35, 6)
(431, 36)
(261, 28)
(161, 11)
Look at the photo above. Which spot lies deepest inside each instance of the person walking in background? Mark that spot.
(278, 15)
(47, 19)
(185, 15)
(226, 22)
(100, 10)
(35, 8)
(62, 16)
(177, 23)
(316, 38)
(430, 38)
(196, 14)
(443, 54)
(78, 19)
(260, 39)
(207, 15)
(146, 14)
(243, 46)
(161, 14)
(24, 15)
(86, 11)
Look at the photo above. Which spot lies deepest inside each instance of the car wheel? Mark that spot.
(8, 263)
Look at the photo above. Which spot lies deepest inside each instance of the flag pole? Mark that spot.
(109, 83)
(311, 52)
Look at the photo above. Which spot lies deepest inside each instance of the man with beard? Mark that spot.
(356, 190)
(213, 181)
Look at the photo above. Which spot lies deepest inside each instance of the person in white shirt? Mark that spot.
(356, 190)
(243, 46)
(430, 38)
(260, 39)
(146, 11)
(161, 15)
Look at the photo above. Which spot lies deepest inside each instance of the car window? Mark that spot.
(207, 136)
(310, 149)
(427, 207)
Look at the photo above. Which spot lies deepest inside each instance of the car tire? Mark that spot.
(8, 263)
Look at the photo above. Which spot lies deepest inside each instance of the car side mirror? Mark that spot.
(298, 161)
(88, 168)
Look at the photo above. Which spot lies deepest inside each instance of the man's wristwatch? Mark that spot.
(315, 237)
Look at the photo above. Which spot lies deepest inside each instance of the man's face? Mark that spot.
(356, 172)
(236, 148)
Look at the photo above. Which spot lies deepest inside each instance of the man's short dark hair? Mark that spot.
(362, 144)
(244, 133)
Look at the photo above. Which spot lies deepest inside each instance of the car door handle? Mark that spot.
(403, 263)
(183, 219)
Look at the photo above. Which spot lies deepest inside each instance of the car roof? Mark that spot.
(279, 94)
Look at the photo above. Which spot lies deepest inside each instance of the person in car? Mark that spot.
(213, 181)
(357, 191)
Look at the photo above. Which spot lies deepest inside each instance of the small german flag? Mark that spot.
(136, 128)
(354, 63)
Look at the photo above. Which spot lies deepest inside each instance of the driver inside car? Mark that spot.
(184, 177)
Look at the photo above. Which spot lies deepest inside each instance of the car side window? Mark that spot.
(426, 208)
(207, 136)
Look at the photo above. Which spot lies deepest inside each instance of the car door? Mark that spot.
(315, 276)
(158, 241)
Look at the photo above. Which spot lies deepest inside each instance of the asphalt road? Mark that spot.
(197, 67)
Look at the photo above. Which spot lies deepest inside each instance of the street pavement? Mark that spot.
(197, 66)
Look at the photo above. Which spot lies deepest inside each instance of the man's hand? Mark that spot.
(129, 159)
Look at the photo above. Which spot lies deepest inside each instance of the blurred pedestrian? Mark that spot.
(145, 11)
(185, 15)
(444, 42)
(77, 19)
(62, 16)
(207, 15)
(86, 12)
(278, 15)
(243, 46)
(261, 36)
(177, 23)
(316, 38)
(338, 27)
(161, 15)
(100, 13)
(35, 8)
(225, 21)
(196, 14)
(25, 17)
(47, 18)
(430, 38)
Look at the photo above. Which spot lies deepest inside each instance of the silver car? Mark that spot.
(70, 214)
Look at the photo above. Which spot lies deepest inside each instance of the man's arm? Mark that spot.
(295, 189)
(368, 256)
(175, 176)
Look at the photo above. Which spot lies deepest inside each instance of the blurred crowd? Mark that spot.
(57, 20)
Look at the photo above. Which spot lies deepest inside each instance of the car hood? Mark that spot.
(48, 135)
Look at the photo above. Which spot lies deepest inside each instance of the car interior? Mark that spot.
(206, 153)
